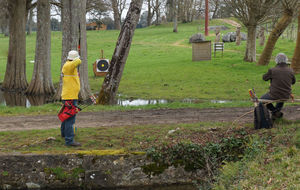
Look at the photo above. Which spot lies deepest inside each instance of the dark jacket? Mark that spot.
(282, 77)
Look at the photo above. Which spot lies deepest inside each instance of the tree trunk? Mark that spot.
(238, 36)
(5, 23)
(216, 8)
(73, 21)
(175, 22)
(41, 82)
(157, 12)
(296, 58)
(5, 28)
(279, 28)
(117, 19)
(262, 37)
(85, 90)
(149, 16)
(29, 23)
(15, 75)
(250, 55)
(112, 80)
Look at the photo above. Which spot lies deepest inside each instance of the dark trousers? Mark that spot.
(67, 127)
(270, 106)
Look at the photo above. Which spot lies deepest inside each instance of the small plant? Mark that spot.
(58, 172)
(194, 156)
(5, 173)
(76, 172)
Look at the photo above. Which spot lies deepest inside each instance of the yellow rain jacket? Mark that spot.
(71, 83)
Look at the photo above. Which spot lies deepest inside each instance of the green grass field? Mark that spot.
(160, 64)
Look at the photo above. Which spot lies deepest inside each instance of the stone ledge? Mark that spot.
(84, 171)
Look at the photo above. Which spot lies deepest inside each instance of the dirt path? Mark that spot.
(231, 22)
(139, 117)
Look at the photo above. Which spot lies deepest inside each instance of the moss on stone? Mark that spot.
(100, 152)
(81, 153)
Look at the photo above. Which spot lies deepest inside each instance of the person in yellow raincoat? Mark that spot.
(69, 95)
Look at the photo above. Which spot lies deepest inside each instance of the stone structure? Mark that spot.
(77, 171)
(197, 38)
(231, 37)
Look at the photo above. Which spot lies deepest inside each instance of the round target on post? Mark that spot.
(102, 65)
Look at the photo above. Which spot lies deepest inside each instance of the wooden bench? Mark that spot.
(218, 46)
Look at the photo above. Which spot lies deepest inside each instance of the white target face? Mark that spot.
(102, 65)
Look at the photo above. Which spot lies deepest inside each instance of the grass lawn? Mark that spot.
(276, 166)
(129, 138)
(160, 66)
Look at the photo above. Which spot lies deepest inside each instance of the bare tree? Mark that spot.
(156, 6)
(74, 34)
(98, 9)
(175, 15)
(117, 16)
(187, 10)
(150, 13)
(296, 58)
(262, 37)
(215, 6)
(289, 9)
(238, 36)
(30, 22)
(4, 17)
(15, 75)
(41, 82)
(251, 13)
(112, 80)
(118, 7)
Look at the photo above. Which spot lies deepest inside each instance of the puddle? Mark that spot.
(143, 102)
(18, 99)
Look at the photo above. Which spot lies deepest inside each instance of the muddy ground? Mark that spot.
(140, 117)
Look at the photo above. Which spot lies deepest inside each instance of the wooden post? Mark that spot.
(206, 17)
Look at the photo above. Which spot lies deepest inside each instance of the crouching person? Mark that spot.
(281, 79)
(69, 95)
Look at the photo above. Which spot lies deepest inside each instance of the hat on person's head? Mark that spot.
(281, 58)
(73, 54)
